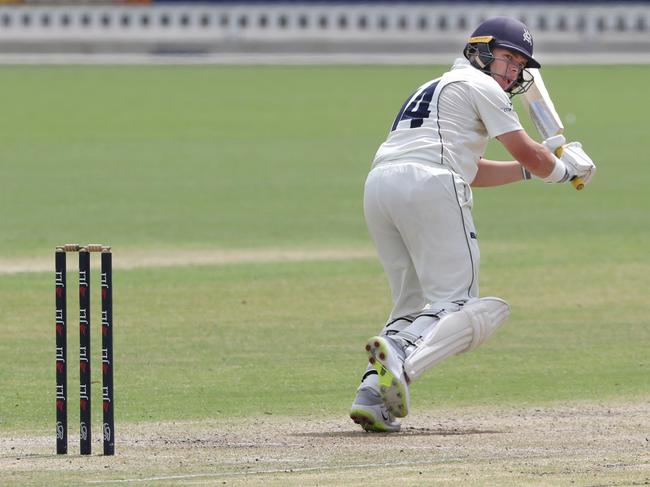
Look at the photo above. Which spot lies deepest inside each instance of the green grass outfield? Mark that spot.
(181, 159)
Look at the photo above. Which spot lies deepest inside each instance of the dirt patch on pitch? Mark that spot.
(134, 259)
(583, 444)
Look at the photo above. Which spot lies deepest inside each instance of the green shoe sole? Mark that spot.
(392, 384)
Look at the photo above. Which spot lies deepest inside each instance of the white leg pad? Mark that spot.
(456, 333)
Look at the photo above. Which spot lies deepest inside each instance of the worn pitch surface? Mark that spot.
(588, 444)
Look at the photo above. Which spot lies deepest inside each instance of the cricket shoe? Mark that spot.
(388, 360)
(369, 412)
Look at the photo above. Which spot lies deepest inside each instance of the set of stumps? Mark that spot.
(85, 423)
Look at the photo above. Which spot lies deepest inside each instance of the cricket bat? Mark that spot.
(537, 102)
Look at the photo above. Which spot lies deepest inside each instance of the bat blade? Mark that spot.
(537, 102)
(541, 110)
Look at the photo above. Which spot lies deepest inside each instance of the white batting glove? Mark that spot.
(571, 161)
(577, 162)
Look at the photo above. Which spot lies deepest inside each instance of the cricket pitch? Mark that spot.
(586, 444)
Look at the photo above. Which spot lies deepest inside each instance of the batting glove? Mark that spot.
(577, 162)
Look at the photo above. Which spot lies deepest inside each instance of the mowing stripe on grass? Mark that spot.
(180, 258)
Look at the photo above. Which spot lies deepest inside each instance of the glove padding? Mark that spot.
(575, 159)
(577, 162)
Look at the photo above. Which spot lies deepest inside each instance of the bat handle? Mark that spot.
(577, 182)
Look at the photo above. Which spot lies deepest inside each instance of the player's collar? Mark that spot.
(461, 63)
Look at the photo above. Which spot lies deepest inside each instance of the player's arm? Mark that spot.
(497, 173)
(538, 159)
(571, 163)
(531, 157)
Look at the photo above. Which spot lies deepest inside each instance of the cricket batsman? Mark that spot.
(418, 202)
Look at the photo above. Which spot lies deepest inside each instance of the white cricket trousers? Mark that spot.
(420, 220)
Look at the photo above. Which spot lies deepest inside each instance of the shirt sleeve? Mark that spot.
(495, 110)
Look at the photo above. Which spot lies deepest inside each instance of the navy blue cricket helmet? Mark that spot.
(505, 32)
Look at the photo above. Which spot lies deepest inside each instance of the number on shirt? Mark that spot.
(418, 109)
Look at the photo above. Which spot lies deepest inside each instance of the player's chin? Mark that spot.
(505, 84)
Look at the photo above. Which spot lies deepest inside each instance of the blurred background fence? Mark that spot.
(412, 32)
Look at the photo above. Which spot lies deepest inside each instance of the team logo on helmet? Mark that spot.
(528, 38)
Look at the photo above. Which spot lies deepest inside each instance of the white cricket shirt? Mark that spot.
(449, 120)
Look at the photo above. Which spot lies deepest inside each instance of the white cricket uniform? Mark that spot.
(418, 201)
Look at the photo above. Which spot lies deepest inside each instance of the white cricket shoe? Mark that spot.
(387, 357)
(369, 412)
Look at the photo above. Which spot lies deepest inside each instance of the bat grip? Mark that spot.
(576, 182)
